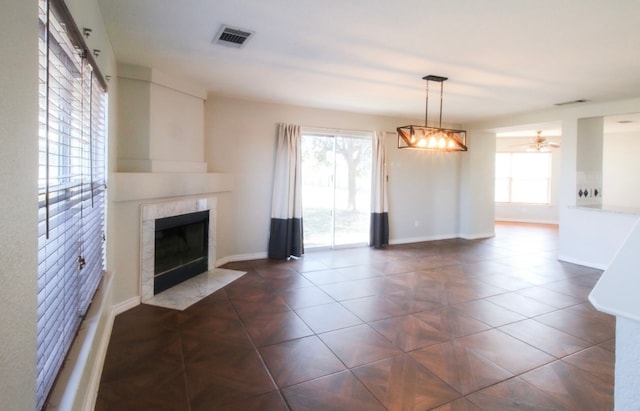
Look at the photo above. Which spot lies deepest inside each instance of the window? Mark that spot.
(523, 178)
(71, 188)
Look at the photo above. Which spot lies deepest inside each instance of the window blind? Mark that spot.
(523, 178)
(72, 140)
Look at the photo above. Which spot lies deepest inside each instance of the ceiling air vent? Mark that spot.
(232, 37)
(566, 103)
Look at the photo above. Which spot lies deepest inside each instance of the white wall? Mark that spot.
(621, 170)
(627, 371)
(532, 213)
(424, 188)
(19, 204)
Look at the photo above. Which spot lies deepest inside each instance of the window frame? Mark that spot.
(511, 180)
(73, 105)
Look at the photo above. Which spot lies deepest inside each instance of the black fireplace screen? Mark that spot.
(181, 249)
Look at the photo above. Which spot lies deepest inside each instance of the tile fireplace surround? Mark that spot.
(152, 211)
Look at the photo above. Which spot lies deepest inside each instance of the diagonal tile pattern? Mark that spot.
(401, 383)
(491, 324)
(342, 390)
(359, 345)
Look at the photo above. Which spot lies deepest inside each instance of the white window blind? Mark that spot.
(72, 139)
(523, 178)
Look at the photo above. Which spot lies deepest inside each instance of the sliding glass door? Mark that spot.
(336, 189)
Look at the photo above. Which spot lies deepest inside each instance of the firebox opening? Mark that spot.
(181, 249)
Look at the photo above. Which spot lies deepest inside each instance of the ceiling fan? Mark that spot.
(540, 144)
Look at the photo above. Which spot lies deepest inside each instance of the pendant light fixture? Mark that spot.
(432, 138)
(540, 144)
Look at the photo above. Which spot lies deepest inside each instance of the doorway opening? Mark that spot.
(336, 189)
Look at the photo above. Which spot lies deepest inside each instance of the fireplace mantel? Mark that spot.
(146, 186)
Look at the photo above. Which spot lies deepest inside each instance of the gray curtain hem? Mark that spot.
(379, 230)
(285, 239)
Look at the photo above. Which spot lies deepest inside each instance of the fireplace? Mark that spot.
(181, 249)
(177, 242)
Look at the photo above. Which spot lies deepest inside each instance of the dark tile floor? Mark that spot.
(492, 324)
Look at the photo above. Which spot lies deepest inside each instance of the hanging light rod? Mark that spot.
(432, 77)
(432, 138)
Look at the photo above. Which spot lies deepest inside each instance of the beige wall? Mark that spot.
(19, 203)
(477, 185)
(176, 125)
(161, 122)
(239, 140)
(134, 103)
(424, 188)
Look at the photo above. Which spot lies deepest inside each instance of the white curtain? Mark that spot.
(285, 239)
(379, 203)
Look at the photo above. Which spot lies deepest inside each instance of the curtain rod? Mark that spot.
(338, 130)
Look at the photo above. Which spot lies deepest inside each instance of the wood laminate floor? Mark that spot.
(491, 324)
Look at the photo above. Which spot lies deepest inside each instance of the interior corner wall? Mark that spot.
(176, 130)
(19, 205)
(477, 184)
(134, 106)
(621, 170)
(423, 192)
(240, 138)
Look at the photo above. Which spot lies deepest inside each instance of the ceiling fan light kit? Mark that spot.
(432, 138)
(540, 144)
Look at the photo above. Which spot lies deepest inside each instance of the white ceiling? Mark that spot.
(501, 56)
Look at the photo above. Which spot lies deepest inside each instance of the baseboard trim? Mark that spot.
(477, 236)
(528, 221)
(91, 396)
(125, 305)
(422, 239)
(241, 257)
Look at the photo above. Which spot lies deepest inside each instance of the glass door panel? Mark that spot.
(317, 190)
(352, 191)
(336, 181)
